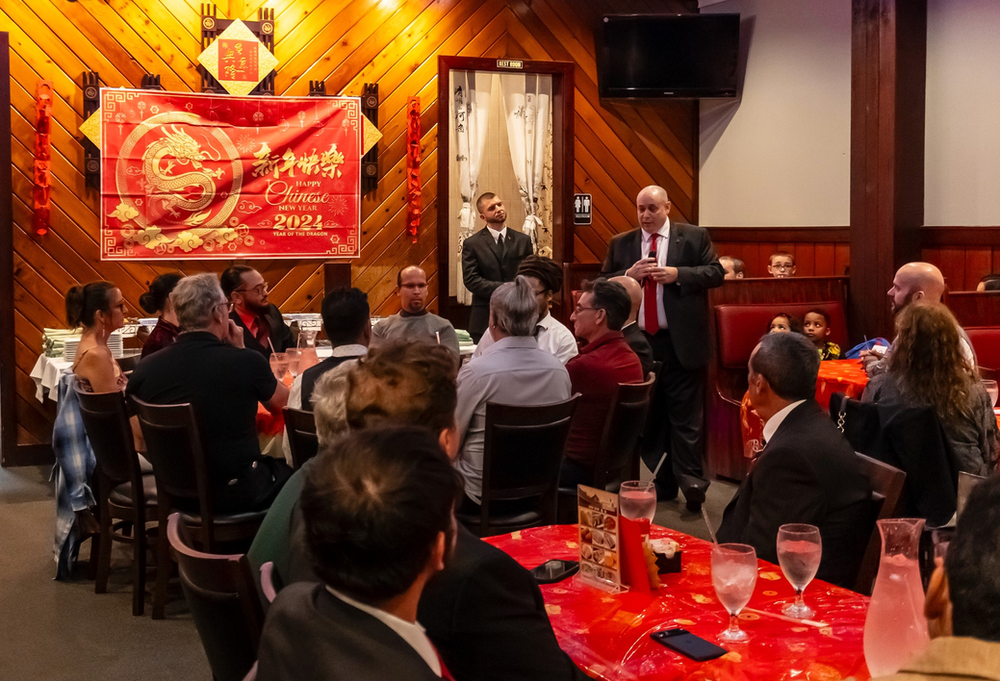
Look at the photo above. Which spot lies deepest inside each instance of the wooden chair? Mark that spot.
(887, 488)
(124, 493)
(173, 446)
(522, 452)
(223, 599)
(617, 451)
(302, 441)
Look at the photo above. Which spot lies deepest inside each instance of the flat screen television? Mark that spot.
(668, 55)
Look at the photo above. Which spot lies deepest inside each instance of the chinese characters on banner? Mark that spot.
(192, 176)
(238, 60)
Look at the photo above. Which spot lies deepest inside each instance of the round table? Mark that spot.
(607, 635)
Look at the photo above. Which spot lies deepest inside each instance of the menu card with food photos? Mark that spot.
(600, 561)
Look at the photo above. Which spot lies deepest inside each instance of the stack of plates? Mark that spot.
(115, 344)
(464, 339)
(53, 340)
(69, 348)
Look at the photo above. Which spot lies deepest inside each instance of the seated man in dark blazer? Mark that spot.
(378, 508)
(264, 330)
(483, 612)
(490, 257)
(806, 473)
(634, 336)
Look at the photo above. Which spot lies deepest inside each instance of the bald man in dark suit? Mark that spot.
(676, 265)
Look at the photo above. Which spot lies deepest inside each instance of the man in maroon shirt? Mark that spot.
(605, 361)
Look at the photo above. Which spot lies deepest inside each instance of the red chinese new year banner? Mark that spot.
(193, 176)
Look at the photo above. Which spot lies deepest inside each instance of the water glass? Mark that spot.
(293, 361)
(734, 576)
(637, 500)
(279, 364)
(991, 390)
(800, 550)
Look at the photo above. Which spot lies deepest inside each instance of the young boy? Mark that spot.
(781, 264)
(817, 328)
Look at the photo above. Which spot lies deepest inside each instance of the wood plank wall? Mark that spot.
(619, 148)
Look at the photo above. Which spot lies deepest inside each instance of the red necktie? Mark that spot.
(650, 316)
(445, 674)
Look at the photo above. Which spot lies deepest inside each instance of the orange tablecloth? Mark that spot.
(608, 634)
(835, 375)
(840, 375)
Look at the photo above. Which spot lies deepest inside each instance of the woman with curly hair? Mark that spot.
(926, 368)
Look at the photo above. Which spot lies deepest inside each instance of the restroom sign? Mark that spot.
(582, 204)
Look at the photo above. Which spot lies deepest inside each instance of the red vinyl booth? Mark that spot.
(986, 343)
(741, 326)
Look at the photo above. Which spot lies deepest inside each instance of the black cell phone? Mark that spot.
(554, 570)
(687, 644)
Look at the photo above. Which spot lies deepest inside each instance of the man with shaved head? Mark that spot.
(633, 334)
(675, 263)
(414, 321)
(915, 281)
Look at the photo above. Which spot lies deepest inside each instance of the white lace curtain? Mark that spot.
(527, 103)
(470, 107)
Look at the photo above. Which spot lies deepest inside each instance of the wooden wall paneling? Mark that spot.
(8, 390)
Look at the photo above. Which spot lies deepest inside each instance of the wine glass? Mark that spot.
(991, 390)
(279, 364)
(637, 500)
(293, 361)
(734, 576)
(800, 550)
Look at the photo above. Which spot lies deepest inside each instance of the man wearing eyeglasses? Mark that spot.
(264, 330)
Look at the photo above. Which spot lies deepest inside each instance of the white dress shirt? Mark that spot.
(771, 427)
(512, 371)
(553, 337)
(411, 632)
(497, 234)
(663, 243)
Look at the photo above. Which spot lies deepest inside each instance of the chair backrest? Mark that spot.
(522, 452)
(986, 343)
(110, 434)
(302, 441)
(223, 599)
(741, 326)
(173, 446)
(622, 429)
(887, 488)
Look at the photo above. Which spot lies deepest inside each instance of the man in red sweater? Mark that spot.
(605, 361)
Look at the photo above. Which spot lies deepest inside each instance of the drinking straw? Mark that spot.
(708, 524)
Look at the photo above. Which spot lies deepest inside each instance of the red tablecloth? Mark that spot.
(840, 376)
(835, 375)
(608, 634)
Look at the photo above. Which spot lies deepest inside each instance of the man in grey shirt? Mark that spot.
(414, 321)
(511, 371)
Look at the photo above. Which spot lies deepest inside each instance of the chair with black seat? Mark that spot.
(302, 441)
(617, 453)
(522, 452)
(124, 493)
(173, 446)
(222, 596)
(887, 488)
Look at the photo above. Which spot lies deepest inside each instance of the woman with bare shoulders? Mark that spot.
(926, 368)
(99, 309)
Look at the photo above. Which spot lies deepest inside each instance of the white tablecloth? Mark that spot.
(46, 374)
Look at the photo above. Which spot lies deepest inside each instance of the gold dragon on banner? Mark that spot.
(167, 191)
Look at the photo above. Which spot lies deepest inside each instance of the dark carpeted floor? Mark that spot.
(63, 631)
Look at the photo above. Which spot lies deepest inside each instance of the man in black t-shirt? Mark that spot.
(209, 368)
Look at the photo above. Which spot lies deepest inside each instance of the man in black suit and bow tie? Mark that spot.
(806, 473)
(490, 257)
(676, 265)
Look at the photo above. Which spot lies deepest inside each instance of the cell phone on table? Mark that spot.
(687, 644)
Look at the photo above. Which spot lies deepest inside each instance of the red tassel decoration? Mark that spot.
(43, 119)
(413, 167)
